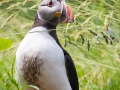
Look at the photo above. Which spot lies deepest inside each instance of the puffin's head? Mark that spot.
(55, 12)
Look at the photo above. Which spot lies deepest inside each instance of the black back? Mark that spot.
(70, 67)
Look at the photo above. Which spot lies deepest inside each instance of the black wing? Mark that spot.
(71, 71)
(70, 67)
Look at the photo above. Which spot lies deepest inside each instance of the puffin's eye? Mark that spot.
(50, 4)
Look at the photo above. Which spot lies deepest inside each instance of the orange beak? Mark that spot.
(69, 15)
(66, 14)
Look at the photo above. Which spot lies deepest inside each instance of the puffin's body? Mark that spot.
(40, 59)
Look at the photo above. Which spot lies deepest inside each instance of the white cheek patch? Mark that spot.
(46, 13)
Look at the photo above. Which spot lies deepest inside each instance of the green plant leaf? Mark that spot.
(5, 43)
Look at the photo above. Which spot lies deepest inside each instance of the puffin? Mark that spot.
(41, 61)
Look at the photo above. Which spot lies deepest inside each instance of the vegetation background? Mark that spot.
(92, 40)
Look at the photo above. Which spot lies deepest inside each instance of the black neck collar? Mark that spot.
(48, 26)
(38, 23)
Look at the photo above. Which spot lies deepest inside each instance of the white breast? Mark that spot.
(39, 44)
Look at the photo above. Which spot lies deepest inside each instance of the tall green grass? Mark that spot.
(95, 51)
